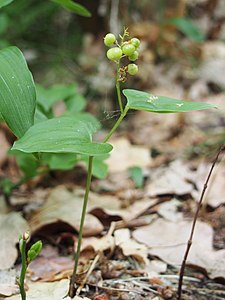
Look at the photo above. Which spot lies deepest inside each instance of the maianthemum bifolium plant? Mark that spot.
(68, 134)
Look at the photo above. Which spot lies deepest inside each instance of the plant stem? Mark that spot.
(123, 114)
(118, 87)
(23, 268)
(189, 243)
(71, 292)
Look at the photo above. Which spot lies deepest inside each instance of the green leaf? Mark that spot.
(99, 168)
(46, 98)
(74, 7)
(86, 118)
(136, 174)
(5, 2)
(4, 23)
(61, 135)
(27, 163)
(17, 91)
(139, 100)
(76, 103)
(188, 28)
(35, 249)
(60, 161)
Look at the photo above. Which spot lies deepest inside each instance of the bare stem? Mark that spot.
(189, 243)
(71, 292)
(116, 125)
(23, 268)
(118, 91)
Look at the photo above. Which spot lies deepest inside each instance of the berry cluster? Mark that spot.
(127, 49)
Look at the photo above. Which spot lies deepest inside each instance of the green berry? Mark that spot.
(109, 39)
(114, 53)
(132, 69)
(133, 56)
(128, 49)
(135, 42)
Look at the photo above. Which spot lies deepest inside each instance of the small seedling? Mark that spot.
(27, 257)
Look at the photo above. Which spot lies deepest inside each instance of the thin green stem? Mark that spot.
(118, 87)
(116, 125)
(88, 184)
(23, 268)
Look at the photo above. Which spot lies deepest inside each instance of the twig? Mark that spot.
(189, 243)
(96, 259)
(152, 277)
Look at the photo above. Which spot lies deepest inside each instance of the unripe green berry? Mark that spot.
(132, 69)
(114, 53)
(128, 49)
(133, 56)
(135, 42)
(109, 39)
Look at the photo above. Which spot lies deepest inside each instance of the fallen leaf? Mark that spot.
(124, 155)
(64, 206)
(49, 266)
(4, 146)
(168, 210)
(129, 246)
(170, 180)
(11, 226)
(8, 286)
(214, 195)
(46, 290)
(168, 241)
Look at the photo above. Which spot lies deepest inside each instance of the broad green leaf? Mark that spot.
(139, 100)
(5, 2)
(86, 118)
(74, 7)
(75, 103)
(27, 163)
(99, 168)
(46, 98)
(39, 116)
(17, 91)
(59, 161)
(61, 135)
(188, 28)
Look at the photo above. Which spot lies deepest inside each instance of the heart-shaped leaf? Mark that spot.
(17, 91)
(61, 135)
(139, 100)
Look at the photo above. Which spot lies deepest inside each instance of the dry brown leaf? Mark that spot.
(98, 244)
(46, 290)
(11, 226)
(124, 155)
(171, 180)
(129, 246)
(8, 286)
(168, 241)
(49, 266)
(64, 206)
(214, 195)
(4, 147)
